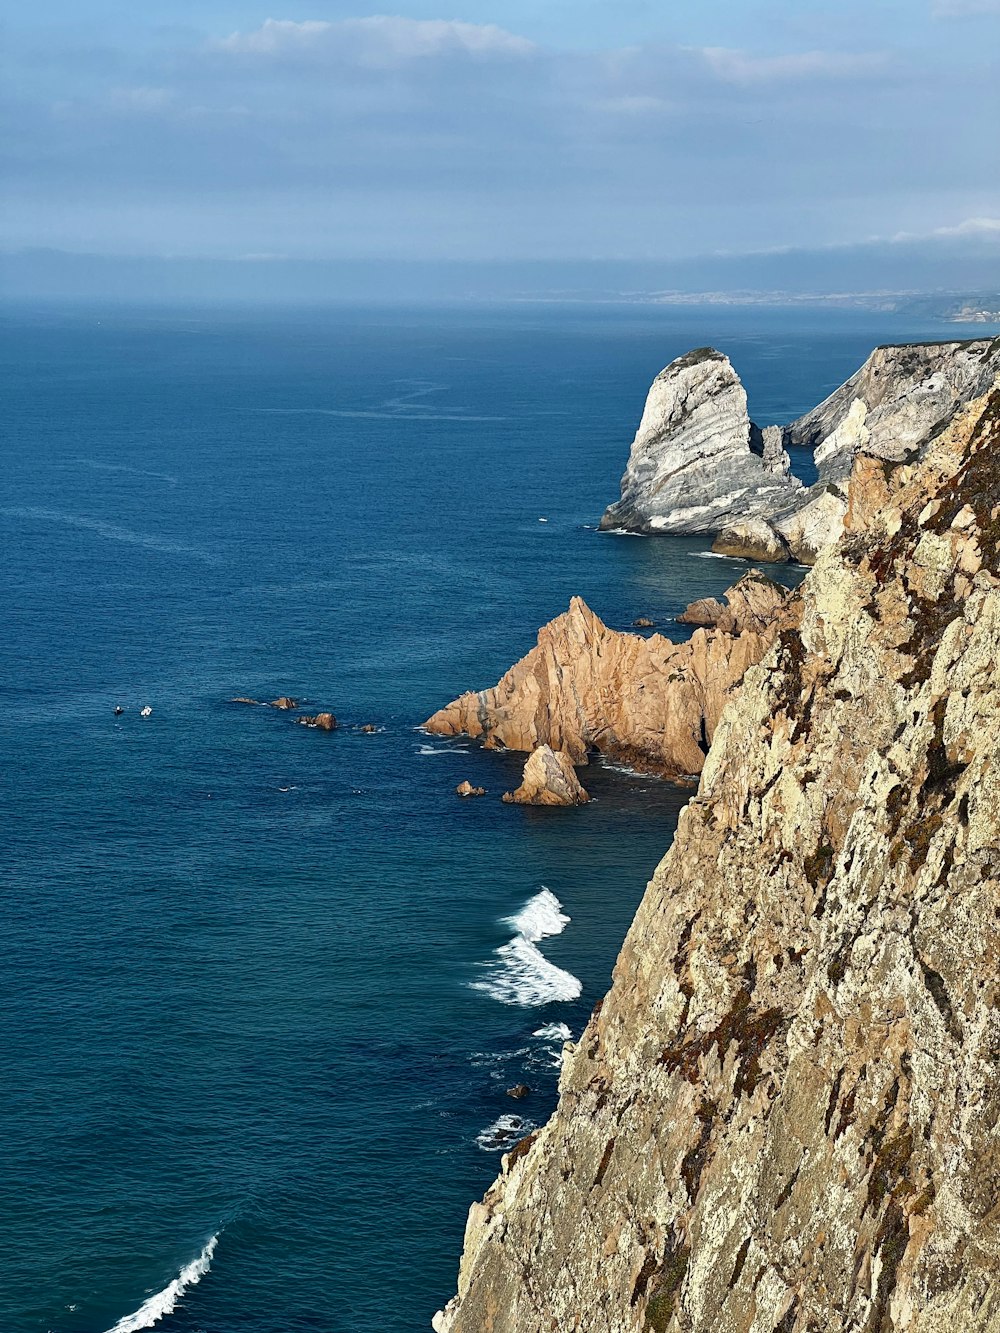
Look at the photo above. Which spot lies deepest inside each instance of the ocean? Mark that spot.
(265, 987)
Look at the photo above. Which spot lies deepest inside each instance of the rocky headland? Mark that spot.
(699, 465)
(647, 702)
(785, 1115)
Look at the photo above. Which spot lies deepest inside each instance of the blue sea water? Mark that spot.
(251, 987)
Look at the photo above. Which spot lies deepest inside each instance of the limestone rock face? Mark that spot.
(784, 1115)
(697, 462)
(549, 778)
(899, 399)
(816, 525)
(645, 701)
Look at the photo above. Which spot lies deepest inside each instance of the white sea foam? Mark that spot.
(540, 916)
(505, 1131)
(442, 749)
(521, 974)
(716, 555)
(165, 1301)
(554, 1032)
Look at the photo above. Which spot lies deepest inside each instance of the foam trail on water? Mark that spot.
(522, 974)
(165, 1301)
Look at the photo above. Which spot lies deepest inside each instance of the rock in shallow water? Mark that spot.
(549, 779)
(321, 721)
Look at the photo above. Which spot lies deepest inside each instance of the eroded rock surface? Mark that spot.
(697, 462)
(784, 1115)
(549, 778)
(645, 701)
(894, 405)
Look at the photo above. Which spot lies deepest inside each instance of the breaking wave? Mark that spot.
(521, 974)
(505, 1131)
(165, 1301)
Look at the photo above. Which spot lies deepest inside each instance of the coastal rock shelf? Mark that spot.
(647, 702)
(699, 465)
(784, 1114)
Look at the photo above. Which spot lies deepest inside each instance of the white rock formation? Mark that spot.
(697, 461)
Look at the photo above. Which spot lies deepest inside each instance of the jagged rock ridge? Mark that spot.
(784, 1115)
(645, 701)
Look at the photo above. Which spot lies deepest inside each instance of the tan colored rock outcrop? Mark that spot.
(466, 789)
(320, 721)
(549, 778)
(784, 1115)
(644, 701)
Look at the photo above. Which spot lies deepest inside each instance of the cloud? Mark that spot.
(378, 40)
(957, 9)
(972, 228)
(732, 66)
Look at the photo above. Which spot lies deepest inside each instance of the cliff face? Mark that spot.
(649, 702)
(697, 462)
(895, 403)
(784, 1115)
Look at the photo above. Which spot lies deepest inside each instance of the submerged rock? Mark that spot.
(549, 778)
(642, 622)
(519, 1091)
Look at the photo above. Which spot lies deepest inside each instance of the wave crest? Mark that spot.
(521, 973)
(165, 1301)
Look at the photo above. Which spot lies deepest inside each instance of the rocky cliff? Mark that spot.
(648, 702)
(895, 404)
(699, 465)
(784, 1115)
(697, 462)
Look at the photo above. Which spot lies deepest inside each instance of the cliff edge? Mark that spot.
(784, 1115)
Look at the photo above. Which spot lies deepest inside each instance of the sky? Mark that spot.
(534, 130)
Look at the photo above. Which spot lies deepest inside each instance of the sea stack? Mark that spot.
(697, 461)
(549, 778)
(699, 465)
